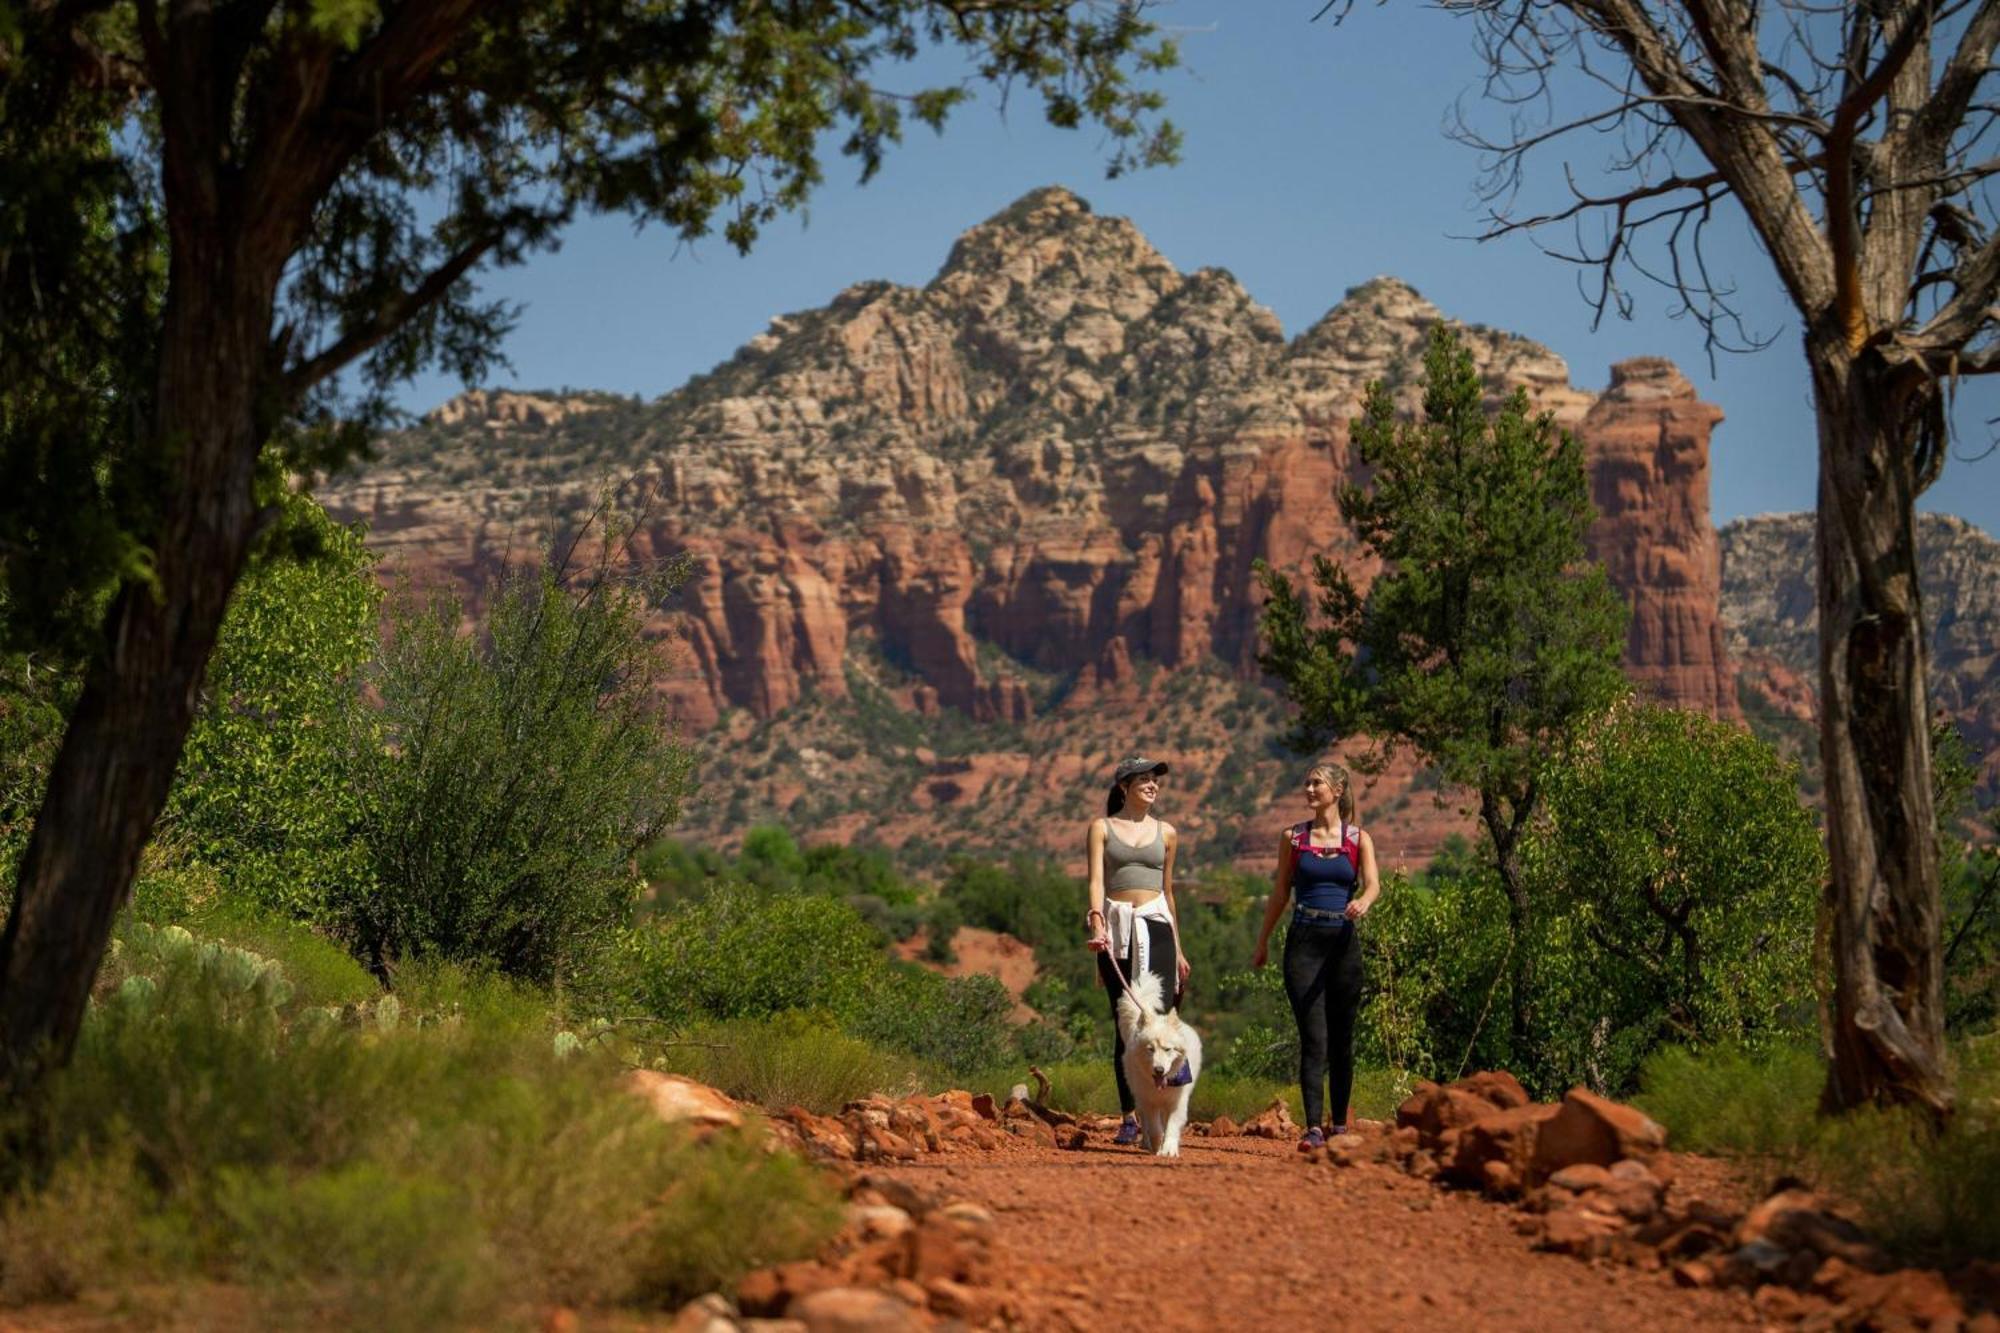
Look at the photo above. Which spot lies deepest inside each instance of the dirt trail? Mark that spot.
(1240, 1233)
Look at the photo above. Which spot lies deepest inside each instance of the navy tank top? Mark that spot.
(1324, 878)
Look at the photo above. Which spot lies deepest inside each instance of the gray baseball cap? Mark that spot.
(1134, 766)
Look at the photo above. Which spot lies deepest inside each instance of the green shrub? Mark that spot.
(1680, 877)
(741, 952)
(793, 1059)
(402, 1166)
(956, 1024)
(515, 776)
(1933, 1198)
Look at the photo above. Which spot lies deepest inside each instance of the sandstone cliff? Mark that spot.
(1027, 497)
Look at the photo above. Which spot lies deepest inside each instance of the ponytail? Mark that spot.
(1115, 801)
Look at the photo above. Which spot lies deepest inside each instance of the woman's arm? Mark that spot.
(1173, 912)
(1371, 884)
(1095, 935)
(1281, 893)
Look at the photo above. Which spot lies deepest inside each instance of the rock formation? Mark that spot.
(1013, 493)
(1770, 616)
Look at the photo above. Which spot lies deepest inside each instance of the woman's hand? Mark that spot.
(1185, 968)
(1098, 940)
(1258, 958)
(1356, 909)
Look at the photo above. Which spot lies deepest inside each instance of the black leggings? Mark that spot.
(1323, 982)
(1160, 956)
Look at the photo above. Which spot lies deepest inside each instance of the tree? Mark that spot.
(1855, 141)
(214, 209)
(1678, 848)
(1487, 637)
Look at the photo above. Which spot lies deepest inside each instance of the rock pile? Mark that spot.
(886, 1129)
(904, 1260)
(1592, 1179)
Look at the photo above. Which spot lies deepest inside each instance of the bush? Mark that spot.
(399, 1166)
(514, 778)
(794, 1059)
(956, 1024)
(742, 952)
(1932, 1198)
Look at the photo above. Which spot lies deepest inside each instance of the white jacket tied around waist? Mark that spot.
(1131, 943)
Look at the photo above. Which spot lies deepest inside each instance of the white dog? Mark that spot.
(1162, 1061)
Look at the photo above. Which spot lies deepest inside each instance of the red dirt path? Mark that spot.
(1240, 1233)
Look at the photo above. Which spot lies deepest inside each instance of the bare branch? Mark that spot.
(1977, 278)
(1970, 63)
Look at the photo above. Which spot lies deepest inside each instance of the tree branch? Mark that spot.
(1970, 63)
(391, 315)
(1977, 277)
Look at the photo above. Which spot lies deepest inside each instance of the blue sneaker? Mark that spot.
(1313, 1139)
(1128, 1132)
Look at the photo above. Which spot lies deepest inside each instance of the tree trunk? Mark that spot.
(1882, 901)
(1505, 834)
(112, 774)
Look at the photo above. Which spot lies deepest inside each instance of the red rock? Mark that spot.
(1588, 1128)
(1781, 1304)
(853, 1310)
(1033, 1130)
(1499, 1179)
(1648, 440)
(982, 1105)
(683, 1101)
(1581, 1177)
(1694, 1273)
(1222, 1127)
(1800, 1221)
(1578, 1231)
(823, 1136)
(1496, 1086)
(958, 1300)
(1506, 1136)
(1273, 1122)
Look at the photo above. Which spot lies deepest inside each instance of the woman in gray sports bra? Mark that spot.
(1132, 916)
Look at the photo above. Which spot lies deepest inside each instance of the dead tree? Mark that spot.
(1857, 143)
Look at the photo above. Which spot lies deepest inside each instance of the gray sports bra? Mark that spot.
(1129, 867)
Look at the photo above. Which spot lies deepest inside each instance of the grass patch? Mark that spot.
(1932, 1199)
(436, 1158)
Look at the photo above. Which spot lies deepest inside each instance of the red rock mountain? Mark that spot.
(954, 548)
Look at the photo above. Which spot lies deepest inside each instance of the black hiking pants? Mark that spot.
(1323, 982)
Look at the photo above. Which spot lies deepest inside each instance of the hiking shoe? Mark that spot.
(1313, 1139)
(1128, 1131)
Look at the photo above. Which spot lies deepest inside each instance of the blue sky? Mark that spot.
(1316, 157)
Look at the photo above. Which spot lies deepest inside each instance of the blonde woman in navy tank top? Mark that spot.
(1132, 916)
(1326, 869)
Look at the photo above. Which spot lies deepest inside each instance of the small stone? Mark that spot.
(1222, 1127)
(1694, 1273)
(967, 1215)
(908, 1292)
(854, 1310)
(878, 1221)
(1581, 1177)
(982, 1105)
(1499, 1179)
